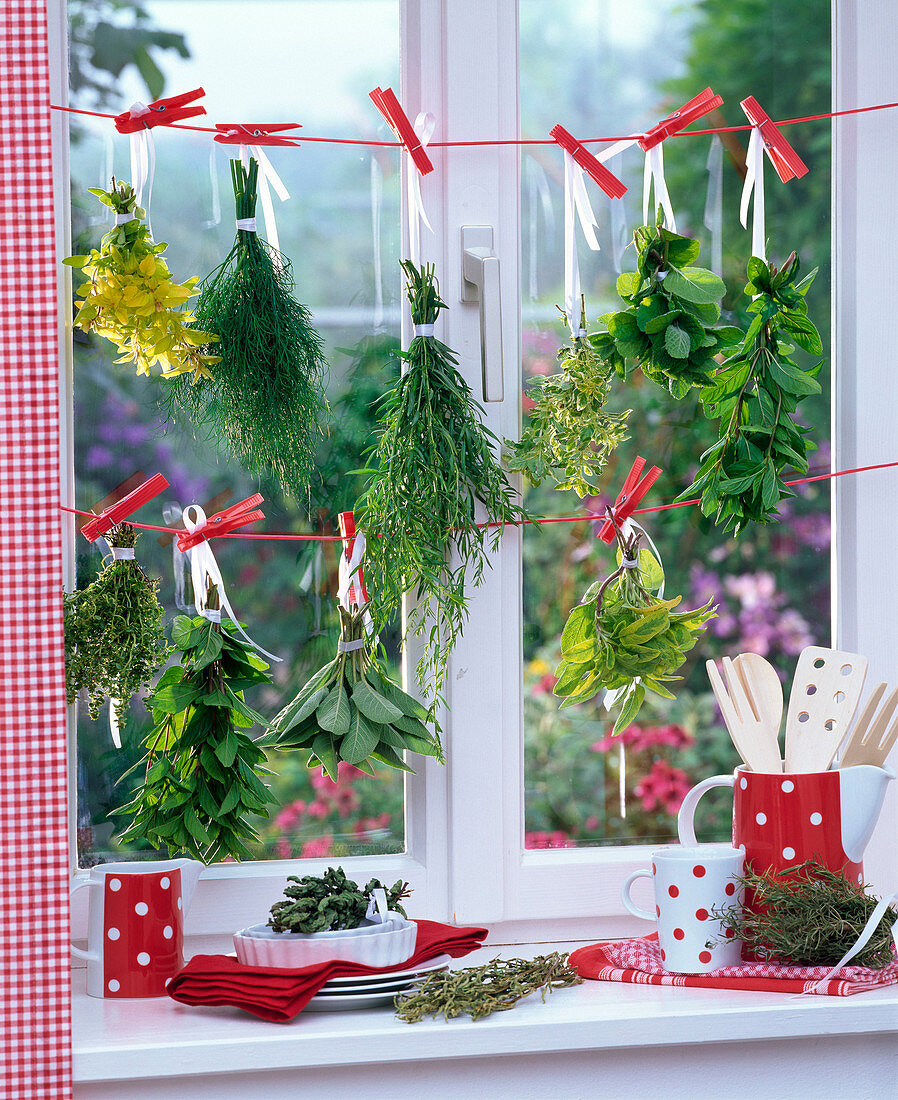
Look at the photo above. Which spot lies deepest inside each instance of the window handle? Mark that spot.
(480, 283)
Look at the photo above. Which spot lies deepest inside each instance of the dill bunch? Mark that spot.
(433, 463)
(266, 397)
(114, 642)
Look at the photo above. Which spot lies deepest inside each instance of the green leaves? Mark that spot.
(694, 284)
(330, 902)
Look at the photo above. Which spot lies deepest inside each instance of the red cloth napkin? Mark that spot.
(278, 994)
(640, 961)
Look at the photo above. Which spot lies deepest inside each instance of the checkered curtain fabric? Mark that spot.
(35, 1023)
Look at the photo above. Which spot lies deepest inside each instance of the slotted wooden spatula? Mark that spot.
(824, 697)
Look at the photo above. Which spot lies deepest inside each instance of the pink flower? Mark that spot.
(315, 849)
(544, 685)
(591, 824)
(664, 787)
(318, 809)
(556, 839)
(284, 850)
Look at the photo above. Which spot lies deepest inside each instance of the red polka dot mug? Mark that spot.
(135, 922)
(781, 819)
(689, 883)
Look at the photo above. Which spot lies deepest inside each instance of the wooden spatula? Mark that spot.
(872, 738)
(825, 693)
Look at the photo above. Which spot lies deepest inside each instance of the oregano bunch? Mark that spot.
(266, 397)
(131, 299)
(330, 902)
(668, 326)
(202, 771)
(755, 395)
(625, 638)
(114, 641)
(433, 464)
(570, 434)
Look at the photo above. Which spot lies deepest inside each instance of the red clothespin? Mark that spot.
(358, 593)
(161, 112)
(223, 522)
(123, 508)
(631, 494)
(597, 171)
(389, 106)
(788, 164)
(255, 133)
(696, 107)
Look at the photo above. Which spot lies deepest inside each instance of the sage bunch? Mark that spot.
(202, 772)
(755, 395)
(330, 902)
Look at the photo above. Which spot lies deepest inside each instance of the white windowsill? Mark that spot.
(159, 1040)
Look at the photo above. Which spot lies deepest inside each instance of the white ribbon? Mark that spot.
(378, 910)
(539, 196)
(268, 180)
(122, 553)
(114, 729)
(377, 189)
(204, 570)
(861, 942)
(424, 127)
(215, 218)
(143, 160)
(713, 217)
(348, 585)
(423, 330)
(576, 199)
(754, 180)
(620, 235)
(653, 173)
(171, 513)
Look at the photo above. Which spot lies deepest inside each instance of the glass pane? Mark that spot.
(273, 61)
(609, 69)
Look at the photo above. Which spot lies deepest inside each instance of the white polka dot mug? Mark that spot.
(689, 883)
(781, 819)
(135, 925)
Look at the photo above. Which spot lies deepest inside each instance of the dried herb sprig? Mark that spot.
(623, 637)
(114, 641)
(478, 991)
(570, 434)
(435, 464)
(330, 902)
(808, 915)
(266, 398)
(755, 394)
(202, 770)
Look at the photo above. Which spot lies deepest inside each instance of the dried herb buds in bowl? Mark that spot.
(330, 902)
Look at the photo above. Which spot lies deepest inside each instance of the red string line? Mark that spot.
(510, 141)
(494, 523)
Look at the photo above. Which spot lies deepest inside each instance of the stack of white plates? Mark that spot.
(371, 990)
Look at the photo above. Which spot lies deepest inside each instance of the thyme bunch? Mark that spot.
(808, 915)
(478, 991)
(114, 642)
(433, 465)
(330, 902)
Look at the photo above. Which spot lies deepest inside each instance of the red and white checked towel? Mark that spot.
(639, 961)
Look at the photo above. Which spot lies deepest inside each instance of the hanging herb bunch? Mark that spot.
(351, 710)
(266, 397)
(434, 463)
(114, 642)
(131, 299)
(202, 770)
(668, 327)
(570, 435)
(624, 638)
(330, 902)
(755, 395)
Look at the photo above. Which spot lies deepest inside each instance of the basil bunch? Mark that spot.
(202, 769)
(755, 394)
(350, 710)
(330, 902)
(623, 638)
(667, 328)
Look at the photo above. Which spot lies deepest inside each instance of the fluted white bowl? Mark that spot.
(384, 944)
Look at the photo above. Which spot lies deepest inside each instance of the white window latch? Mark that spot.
(480, 283)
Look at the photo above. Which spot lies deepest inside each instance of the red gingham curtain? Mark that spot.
(35, 1023)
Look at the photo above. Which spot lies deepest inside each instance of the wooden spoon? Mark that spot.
(765, 692)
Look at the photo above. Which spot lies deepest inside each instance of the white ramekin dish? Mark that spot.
(371, 944)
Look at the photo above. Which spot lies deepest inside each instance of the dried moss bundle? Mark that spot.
(266, 398)
(330, 902)
(114, 642)
(478, 991)
(808, 915)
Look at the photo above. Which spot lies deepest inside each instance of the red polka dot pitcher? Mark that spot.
(135, 920)
(781, 819)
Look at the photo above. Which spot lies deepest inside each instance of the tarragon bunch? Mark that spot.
(131, 299)
(667, 327)
(624, 638)
(755, 394)
(330, 902)
(570, 435)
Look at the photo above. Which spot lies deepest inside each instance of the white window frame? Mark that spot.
(465, 822)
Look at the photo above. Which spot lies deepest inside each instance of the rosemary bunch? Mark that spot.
(570, 435)
(330, 902)
(114, 642)
(478, 991)
(434, 463)
(808, 915)
(266, 397)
